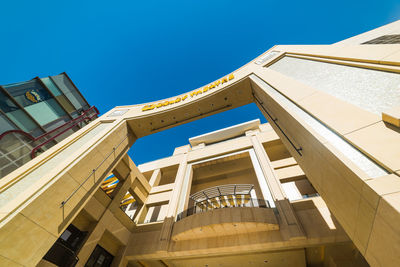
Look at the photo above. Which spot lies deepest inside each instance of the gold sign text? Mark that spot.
(192, 94)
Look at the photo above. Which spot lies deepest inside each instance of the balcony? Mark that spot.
(224, 210)
(225, 196)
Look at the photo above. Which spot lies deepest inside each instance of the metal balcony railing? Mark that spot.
(222, 190)
(225, 196)
(80, 121)
(232, 201)
(19, 147)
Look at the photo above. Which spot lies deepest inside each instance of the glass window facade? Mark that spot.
(16, 115)
(70, 92)
(28, 93)
(58, 94)
(51, 86)
(5, 124)
(40, 108)
(37, 101)
(46, 111)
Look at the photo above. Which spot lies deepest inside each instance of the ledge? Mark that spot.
(392, 116)
(226, 221)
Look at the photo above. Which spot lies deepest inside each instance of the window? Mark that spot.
(28, 93)
(63, 252)
(46, 111)
(99, 258)
(36, 100)
(5, 124)
(58, 94)
(70, 91)
(156, 213)
(72, 237)
(16, 115)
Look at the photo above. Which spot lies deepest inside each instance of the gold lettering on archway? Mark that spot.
(192, 94)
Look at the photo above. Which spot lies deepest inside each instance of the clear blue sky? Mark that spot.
(129, 52)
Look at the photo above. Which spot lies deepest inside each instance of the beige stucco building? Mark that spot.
(318, 185)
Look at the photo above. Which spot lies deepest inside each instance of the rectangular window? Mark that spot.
(28, 93)
(17, 116)
(51, 86)
(70, 91)
(5, 124)
(299, 189)
(99, 258)
(46, 111)
(37, 101)
(58, 94)
(156, 213)
(64, 251)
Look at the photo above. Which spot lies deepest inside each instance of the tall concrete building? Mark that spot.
(318, 185)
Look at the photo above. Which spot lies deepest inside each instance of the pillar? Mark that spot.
(166, 230)
(289, 224)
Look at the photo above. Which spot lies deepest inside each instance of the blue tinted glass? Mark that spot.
(15, 114)
(51, 86)
(28, 93)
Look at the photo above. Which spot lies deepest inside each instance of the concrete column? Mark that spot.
(119, 259)
(272, 181)
(289, 223)
(186, 186)
(90, 244)
(166, 230)
(100, 227)
(120, 192)
(176, 192)
(155, 178)
(262, 181)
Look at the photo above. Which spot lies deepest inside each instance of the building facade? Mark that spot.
(240, 186)
(318, 185)
(37, 114)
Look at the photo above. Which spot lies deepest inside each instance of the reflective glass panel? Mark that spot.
(16, 115)
(37, 101)
(5, 124)
(51, 86)
(70, 91)
(28, 93)
(46, 111)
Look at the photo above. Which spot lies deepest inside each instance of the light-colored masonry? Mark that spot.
(318, 185)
